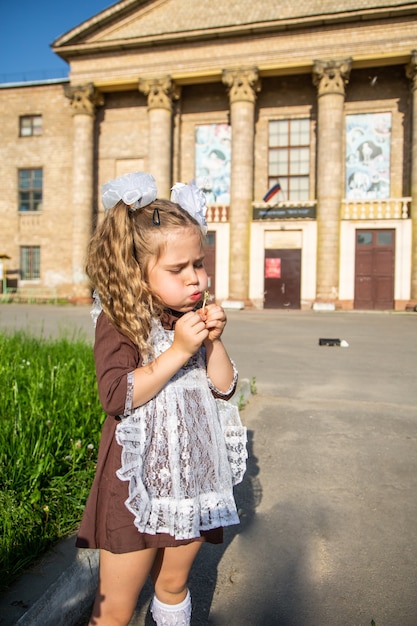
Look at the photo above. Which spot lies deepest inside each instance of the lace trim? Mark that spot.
(129, 393)
(225, 394)
(172, 614)
(235, 436)
(181, 453)
(96, 310)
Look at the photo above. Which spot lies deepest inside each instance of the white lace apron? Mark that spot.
(175, 457)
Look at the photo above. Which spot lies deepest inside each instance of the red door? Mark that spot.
(282, 279)
(374, 269)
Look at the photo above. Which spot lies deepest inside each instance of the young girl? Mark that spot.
(165, 472)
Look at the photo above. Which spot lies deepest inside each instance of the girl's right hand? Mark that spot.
(190, 333)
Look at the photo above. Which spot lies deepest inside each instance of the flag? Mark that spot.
(271, 193)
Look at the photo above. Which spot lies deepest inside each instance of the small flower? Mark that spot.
(78, 444)
(90, 446)
(68, 458)
(207, 297)
(46, 508)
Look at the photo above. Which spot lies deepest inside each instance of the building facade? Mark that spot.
(314, 104)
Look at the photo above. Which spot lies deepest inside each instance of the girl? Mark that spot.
(164, 473)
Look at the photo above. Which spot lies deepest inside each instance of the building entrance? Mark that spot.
(374, 269)
(282, 279)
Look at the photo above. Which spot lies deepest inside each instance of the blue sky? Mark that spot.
(28, 27)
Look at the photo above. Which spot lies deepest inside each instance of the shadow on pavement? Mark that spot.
(204, 574)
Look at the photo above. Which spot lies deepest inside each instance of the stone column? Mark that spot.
(160, 92)
(330, 78)
(412, 74)
(243, 84)
(84, 99)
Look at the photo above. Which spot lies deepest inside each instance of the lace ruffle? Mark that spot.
(235, 436)
(175, 457)
(172, 614)
(129, 393)
(96, 310)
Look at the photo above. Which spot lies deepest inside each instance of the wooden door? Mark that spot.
(282, 279)
(374, 269)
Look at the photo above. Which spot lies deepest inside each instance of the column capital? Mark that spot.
(160, 92)
(331, 77)
(411, 70)
(84, 98)
(243, 84)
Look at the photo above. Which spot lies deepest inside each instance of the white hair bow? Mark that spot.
(137, 190)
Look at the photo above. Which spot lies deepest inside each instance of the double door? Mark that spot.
(374, 269)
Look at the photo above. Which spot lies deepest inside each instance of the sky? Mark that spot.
(28, 27)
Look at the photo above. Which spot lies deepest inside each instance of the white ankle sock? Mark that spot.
(172, 614)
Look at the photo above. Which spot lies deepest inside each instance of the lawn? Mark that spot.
(50, 428)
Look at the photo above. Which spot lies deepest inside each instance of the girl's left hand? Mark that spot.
(215, 320)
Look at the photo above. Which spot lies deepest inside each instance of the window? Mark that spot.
(30, 125)
(30, 262)
(289, 158)
(30, 190)
(374, 237)
(364, 238)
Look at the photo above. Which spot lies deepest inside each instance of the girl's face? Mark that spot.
(178, 277)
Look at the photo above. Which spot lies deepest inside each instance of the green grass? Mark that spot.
(50, 425)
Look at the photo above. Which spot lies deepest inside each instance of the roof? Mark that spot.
(143, 22)
(193, 42)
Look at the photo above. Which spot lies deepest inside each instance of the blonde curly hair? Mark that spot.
(118, 259)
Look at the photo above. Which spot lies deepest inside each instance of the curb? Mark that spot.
(65, 602)
(56, 591)
(59, 589)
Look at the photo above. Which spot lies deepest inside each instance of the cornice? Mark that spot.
(75, 43)
(98, 21)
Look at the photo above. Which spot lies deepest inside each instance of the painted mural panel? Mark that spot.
(212, 161)
(368, 151)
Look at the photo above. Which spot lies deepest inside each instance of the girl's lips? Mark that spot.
(195, 296)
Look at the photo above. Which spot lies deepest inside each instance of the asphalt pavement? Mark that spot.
(328, 505)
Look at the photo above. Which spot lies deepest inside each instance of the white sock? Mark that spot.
(172, 614)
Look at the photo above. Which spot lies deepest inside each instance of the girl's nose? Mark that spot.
(192, 276)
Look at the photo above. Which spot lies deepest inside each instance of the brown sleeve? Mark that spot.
(115, 356)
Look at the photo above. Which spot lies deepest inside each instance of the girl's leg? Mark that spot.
(170, 572)
(121, 578)
(172, 602)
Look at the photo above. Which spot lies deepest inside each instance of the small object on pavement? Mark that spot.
(329, 342)
(342, 343)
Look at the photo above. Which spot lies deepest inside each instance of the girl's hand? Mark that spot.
(190, 333)
(214, 319)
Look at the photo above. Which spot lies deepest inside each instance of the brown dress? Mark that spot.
(107, 523)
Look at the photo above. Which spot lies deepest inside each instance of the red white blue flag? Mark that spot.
(272, 192)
